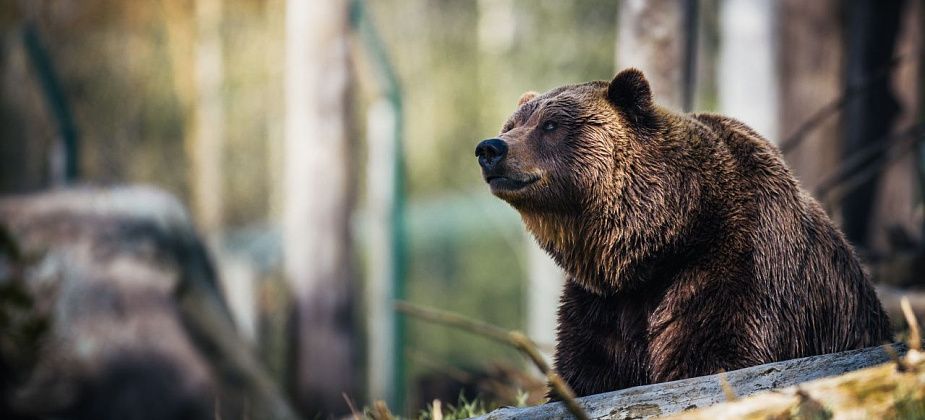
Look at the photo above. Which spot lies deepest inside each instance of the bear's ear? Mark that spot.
(629, 91)
(526, 97)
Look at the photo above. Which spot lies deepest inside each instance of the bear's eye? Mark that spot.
(549, 125)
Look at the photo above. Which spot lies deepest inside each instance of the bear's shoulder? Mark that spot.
(741, 140)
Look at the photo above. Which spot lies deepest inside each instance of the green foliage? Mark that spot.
(522, 397)
(909, 408)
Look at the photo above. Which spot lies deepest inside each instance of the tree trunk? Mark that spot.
(869, 115)
(648, 39)
(26, 126)
(206, 138)
(898, 190)
(318, 203)
(747, 82)
(809, 56)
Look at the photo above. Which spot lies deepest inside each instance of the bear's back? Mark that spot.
(808, 275)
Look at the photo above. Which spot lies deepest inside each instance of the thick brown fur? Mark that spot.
(689, 245)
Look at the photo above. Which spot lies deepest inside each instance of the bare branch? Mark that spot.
(836, 105)
(514, 339)
(859, 167)
(915, 337)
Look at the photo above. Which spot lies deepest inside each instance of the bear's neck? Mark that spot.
(622, 247)
(594, 251)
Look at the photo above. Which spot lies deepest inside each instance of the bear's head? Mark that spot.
(589, 169)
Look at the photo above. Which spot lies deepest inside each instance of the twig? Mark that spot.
(915, 336)
(568, 396)
(454, 320)
(353, 409)
(849, 176)
(436, 410)
(381, 411)
(857, 180)
(728, 392)
(895, 357)
(861, 158)
(515, 339)
(526, 346)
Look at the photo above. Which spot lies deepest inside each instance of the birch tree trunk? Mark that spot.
(648, 39)
(317, 205)
(205, 142)
(747, 84)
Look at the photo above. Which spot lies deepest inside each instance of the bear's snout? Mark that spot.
(490, 152)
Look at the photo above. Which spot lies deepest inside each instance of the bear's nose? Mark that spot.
(490, 152)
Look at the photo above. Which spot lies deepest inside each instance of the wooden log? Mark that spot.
(885, 391)
(674, 397)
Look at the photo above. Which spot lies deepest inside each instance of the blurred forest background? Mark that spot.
(325, 151)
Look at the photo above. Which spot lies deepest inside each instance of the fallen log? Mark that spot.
(890, 390)
(110, 308)
(688, 394)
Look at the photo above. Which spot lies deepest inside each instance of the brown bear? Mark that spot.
(690, 247)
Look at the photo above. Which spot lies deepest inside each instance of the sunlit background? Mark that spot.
(325, 151)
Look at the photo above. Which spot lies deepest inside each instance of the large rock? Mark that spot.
(110, 308)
